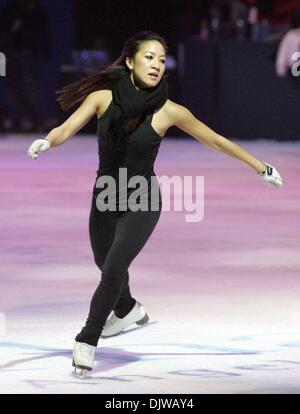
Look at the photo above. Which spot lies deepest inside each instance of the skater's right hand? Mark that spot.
(39, 145)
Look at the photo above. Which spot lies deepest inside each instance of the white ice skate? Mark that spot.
(83, 358)
(114, 325)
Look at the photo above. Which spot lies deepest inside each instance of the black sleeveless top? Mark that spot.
(131, 167)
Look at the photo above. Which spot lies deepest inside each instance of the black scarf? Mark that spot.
(130, 102)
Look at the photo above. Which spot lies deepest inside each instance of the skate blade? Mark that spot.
(80, 371)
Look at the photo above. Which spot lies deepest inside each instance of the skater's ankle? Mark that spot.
(86, 338)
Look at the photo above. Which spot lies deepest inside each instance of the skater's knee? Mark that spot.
(99, 262)
(114, 273)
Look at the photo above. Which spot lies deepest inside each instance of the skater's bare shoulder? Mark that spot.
(177, 114)
(183, 118)
(92, 105)
(103, 98)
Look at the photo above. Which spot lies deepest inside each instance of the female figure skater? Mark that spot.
(130, 99)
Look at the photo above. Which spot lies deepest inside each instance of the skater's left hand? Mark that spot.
(271, 176)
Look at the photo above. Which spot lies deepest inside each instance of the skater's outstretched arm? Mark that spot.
(57, 136)
(181, 117)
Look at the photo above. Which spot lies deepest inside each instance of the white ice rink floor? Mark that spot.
(222, 294)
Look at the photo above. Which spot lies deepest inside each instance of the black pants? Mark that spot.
(116, 239)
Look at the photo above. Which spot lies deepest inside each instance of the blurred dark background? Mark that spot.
(221, 63)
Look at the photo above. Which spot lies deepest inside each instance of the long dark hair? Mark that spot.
(74, 93)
